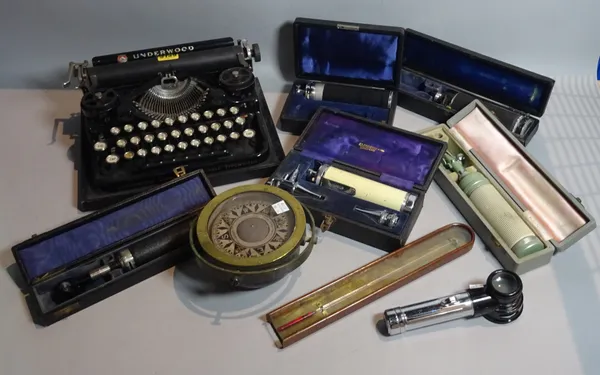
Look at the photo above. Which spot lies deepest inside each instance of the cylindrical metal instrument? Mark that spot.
(496, 210)
(364, 188)
(499, 301)
(346, 94)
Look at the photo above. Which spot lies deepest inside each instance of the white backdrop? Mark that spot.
(39, 38)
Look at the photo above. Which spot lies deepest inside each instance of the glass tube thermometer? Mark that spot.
(496, 210)
(323, 306)
(363, 188)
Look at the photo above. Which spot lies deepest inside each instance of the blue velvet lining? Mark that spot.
(330, 52)
(402, 160)
(75, 243)
(485, 78)
(301, 109)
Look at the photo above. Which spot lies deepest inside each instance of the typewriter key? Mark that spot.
(203, 129)
(175, 134)
(209, 140)
(128, 128)
(142, 152)
(195, 116)
(135, 140)
(195, 143)
(234, 135)
(169, 121)
(162, 136)
(249, 133)
(112, 159)
(121, 143)
(100, 146)
(169, 148)
(208, 114)
(155, 124)
(114, 130)
(234, 110)
(228, 124)
(156, 150)
(142, 125)
(221, 112)
(149, 138)
(221, 138)
(182, 119)
(129, 155)
(240, 120)
(182, 145)
(215, 126)
(189, 132)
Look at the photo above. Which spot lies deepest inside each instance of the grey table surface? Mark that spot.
(164, 325)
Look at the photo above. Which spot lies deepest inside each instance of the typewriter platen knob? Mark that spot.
(256, 52)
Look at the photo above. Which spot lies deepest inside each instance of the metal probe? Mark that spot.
(293, 181)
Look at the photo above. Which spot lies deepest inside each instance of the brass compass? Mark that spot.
(251, 235)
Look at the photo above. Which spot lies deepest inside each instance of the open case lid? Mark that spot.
(49, 253)
(559, 217)
(394, 156)
(481, 75)
(350, 53)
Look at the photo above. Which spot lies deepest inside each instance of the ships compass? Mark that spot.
(252, 235)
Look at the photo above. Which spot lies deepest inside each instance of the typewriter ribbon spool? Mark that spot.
(250, 236)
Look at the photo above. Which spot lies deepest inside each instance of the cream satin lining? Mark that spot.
(545, 203)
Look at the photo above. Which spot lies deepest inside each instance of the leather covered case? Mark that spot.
(81, 263)
(355, 62)
(357, 165)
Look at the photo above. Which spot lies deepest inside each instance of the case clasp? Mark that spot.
(327, 222)
(69, 310)
(179, 171)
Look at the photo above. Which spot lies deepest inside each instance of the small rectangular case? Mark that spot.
(353, 164)
(545, 208)
(438, 79)
(81, 263)
(348, 66)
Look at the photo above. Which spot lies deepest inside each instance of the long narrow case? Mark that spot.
(438, 79)
(79, 264)
(552, 214)
(357, 165)
(358, 62)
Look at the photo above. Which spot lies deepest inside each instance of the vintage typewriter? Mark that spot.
(148, 113)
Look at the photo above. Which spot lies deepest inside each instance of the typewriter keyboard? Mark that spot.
(153, 147)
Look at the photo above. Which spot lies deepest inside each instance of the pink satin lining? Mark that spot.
(527, 184)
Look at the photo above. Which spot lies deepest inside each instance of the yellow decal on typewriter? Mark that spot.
(366, 147)
(168, 57)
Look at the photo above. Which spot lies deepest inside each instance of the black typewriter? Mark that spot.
(147, 115)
